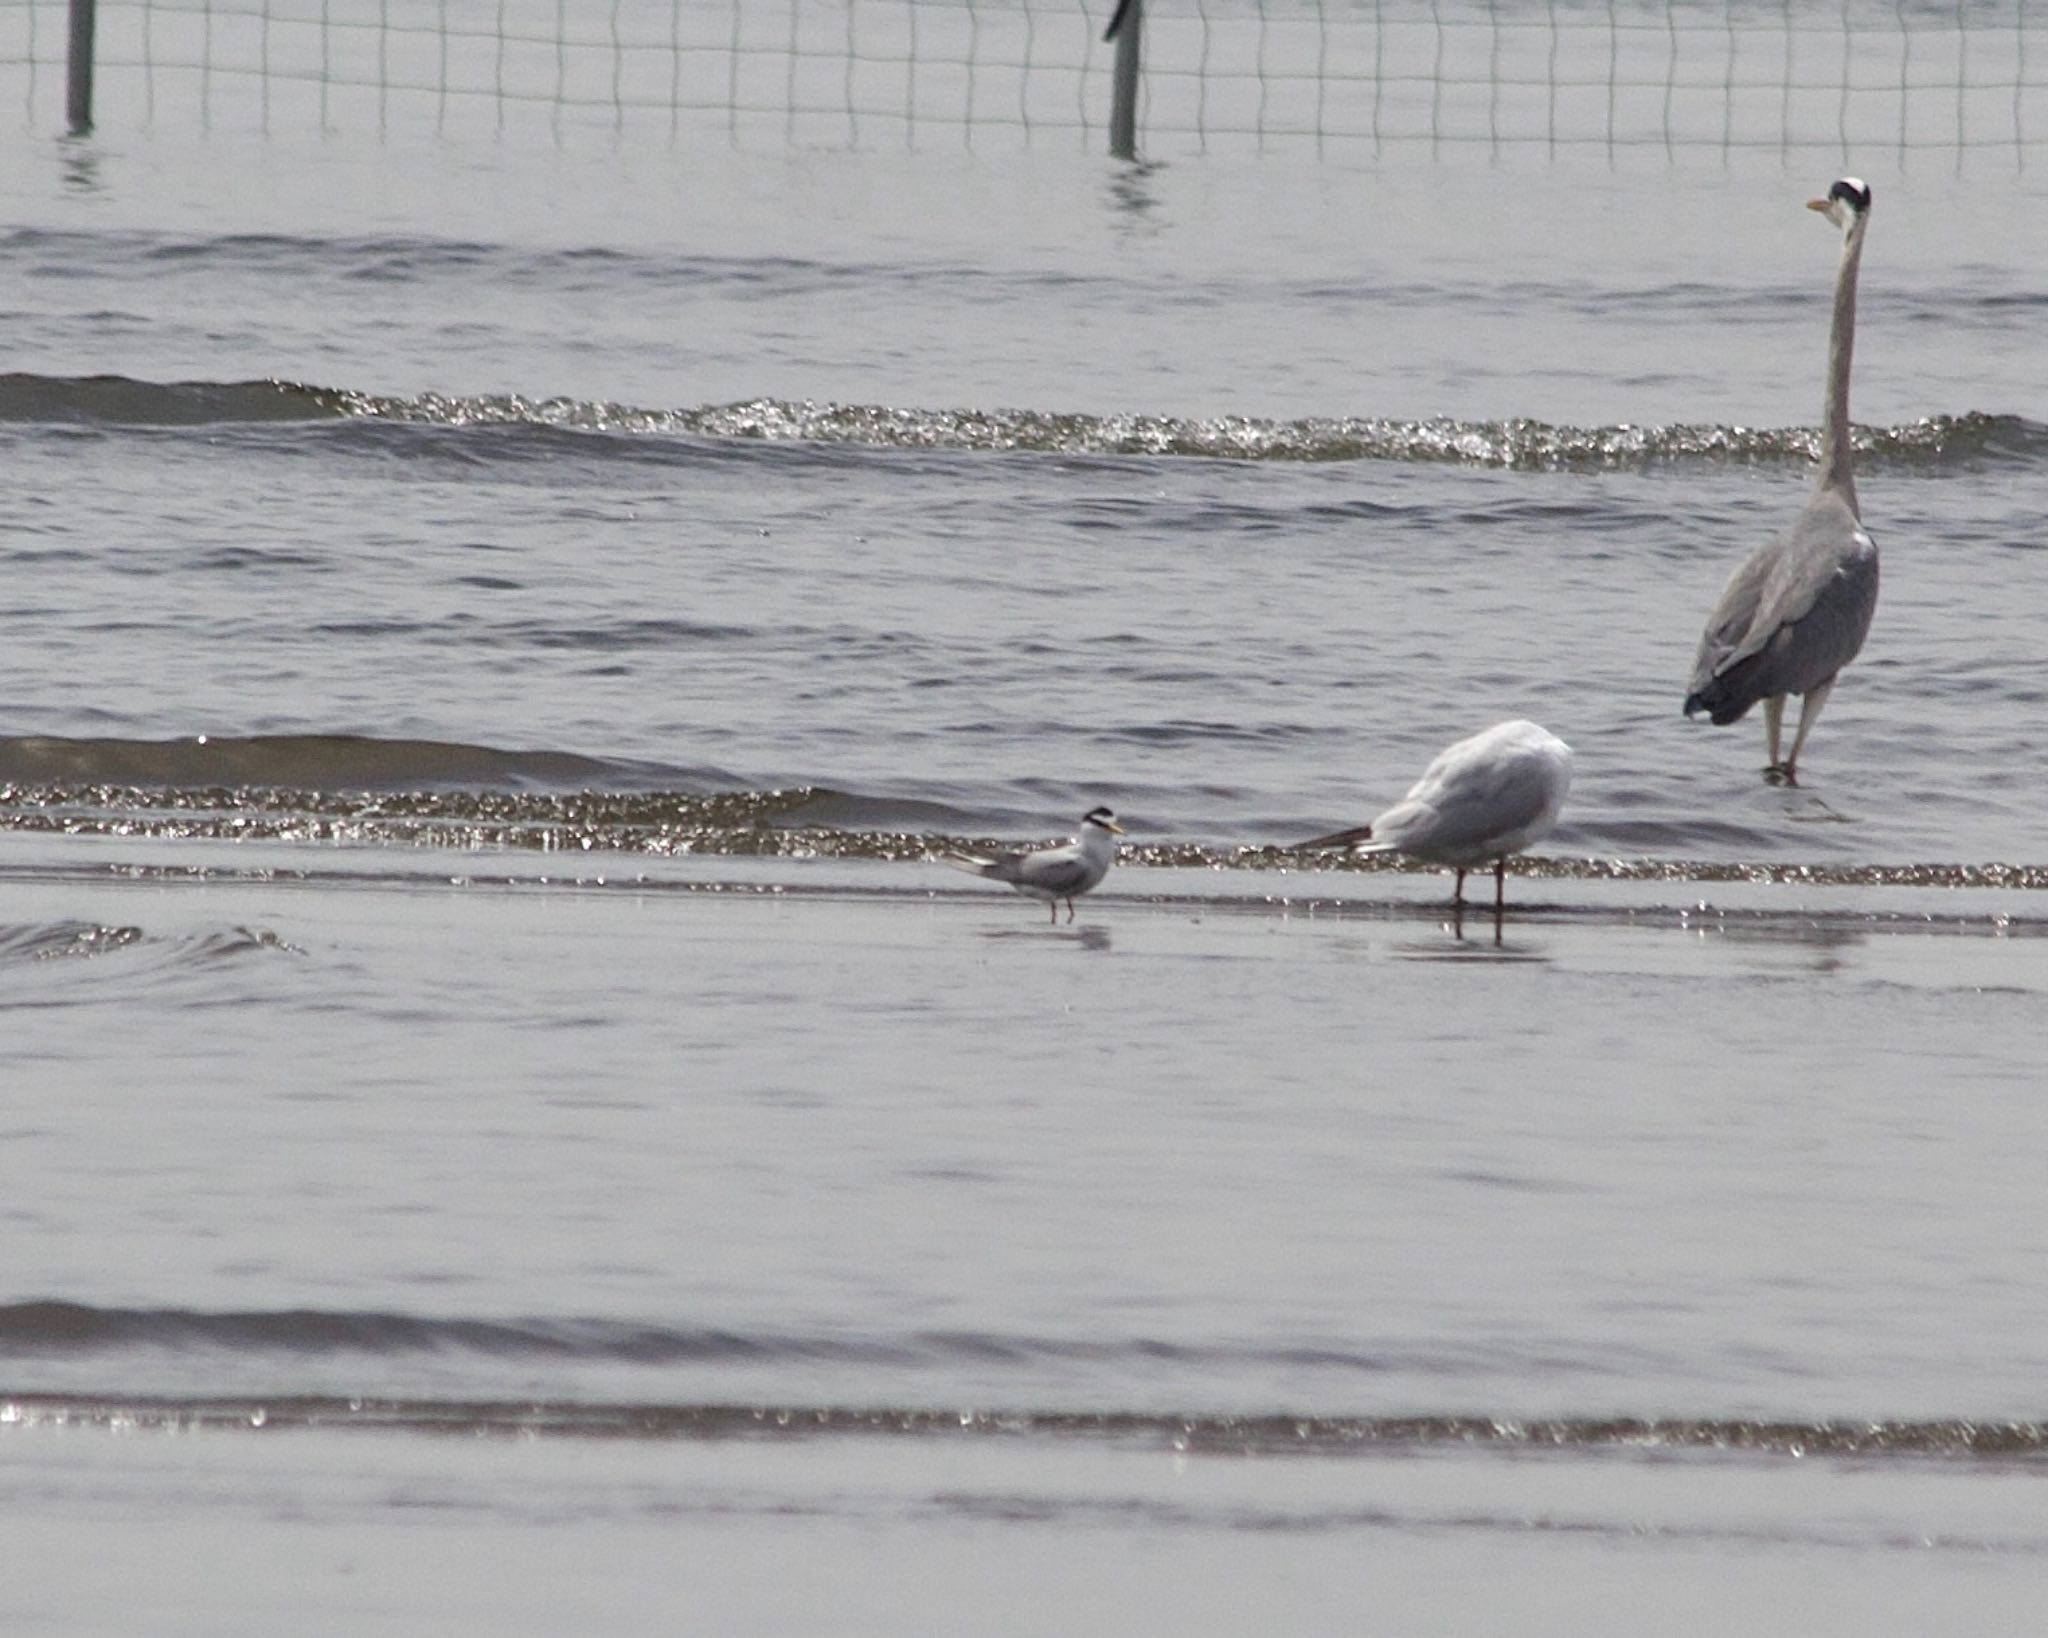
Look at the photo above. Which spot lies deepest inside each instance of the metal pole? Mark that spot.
(78, 101)
(1125, 28)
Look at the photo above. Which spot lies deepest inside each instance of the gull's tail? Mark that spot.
(1340, 838)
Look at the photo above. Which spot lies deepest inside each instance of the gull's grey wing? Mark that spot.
(1792, 615)
(1473, 810)
(1353, 837)
(1406, 824)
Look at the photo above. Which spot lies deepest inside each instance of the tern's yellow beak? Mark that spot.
(1820, 205)
(1112, 827)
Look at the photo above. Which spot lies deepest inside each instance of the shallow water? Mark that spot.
(496, 634)
(385, 1535)
(714, 1211)
(933, 1113)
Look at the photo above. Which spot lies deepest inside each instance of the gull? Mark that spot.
(1796, 609)
(1480, 800)
(1052, 873)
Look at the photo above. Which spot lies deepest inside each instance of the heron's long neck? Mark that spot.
(1835, 462)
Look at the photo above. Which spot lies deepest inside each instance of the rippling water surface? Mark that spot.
(495, 638)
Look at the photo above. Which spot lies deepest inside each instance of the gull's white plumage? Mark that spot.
(1052, 873)
(1479, 801)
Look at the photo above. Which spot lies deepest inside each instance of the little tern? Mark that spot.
(1053, 873)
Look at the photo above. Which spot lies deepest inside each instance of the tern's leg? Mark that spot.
(1809, 714)
(1053, 905)
(1070, 910)
(1458, 892)
(1774, 728)
(1500, 885)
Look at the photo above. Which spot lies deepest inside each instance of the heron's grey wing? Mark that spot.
(1728, 627)
(1813, 603)
(1824, 604)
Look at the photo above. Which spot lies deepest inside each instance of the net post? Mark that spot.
(78, 90)
(1125, 28)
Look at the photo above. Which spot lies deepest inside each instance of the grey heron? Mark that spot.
(1797, 608)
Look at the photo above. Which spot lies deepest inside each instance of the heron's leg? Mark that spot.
(1809, 714)
(1500, 885)
(1070, 910)
(1774, 729)
(1458, 891)
(1054, 906)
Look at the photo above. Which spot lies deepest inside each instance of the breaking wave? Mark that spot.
(1937, 443)
(1961, 1439)
(359, 790)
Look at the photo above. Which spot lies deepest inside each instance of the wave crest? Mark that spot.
(1938, 443)
(326, 789)
(1955, 1438)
